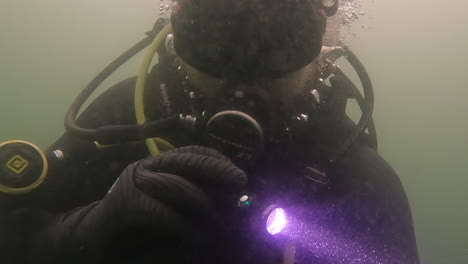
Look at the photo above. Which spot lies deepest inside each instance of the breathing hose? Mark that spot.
(368, 105)
(75, 107)
(119, 133)
(140, 89)
(360, 100)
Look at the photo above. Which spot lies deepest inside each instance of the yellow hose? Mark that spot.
(140, 89)
(163, 144)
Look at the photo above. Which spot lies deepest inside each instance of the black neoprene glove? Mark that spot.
(165, 197)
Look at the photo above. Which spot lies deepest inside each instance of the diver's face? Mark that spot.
(278, 93)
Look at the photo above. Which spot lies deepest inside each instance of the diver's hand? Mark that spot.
(169, 194)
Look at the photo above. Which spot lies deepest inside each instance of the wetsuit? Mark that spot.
(364, 206)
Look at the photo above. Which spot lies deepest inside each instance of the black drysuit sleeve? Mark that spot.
(84, 177)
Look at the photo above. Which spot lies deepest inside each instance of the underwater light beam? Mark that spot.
(321, 243)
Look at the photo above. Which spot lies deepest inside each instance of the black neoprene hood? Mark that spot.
(247, 39)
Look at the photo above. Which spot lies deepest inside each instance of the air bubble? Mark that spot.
(239, 94)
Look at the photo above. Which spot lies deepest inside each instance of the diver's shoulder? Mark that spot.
(122, 90)
(113, 107)
(364, 154)
(364, 163)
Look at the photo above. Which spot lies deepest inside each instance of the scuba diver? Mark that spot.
(234, 148)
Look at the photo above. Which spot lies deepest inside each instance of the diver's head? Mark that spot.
(245, 40)
(263, 47)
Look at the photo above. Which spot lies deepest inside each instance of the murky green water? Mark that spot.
(415, 51)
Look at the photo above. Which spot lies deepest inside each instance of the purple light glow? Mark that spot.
(276, 221)
(347, 248)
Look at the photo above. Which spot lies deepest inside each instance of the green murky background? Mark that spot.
(415, 51)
